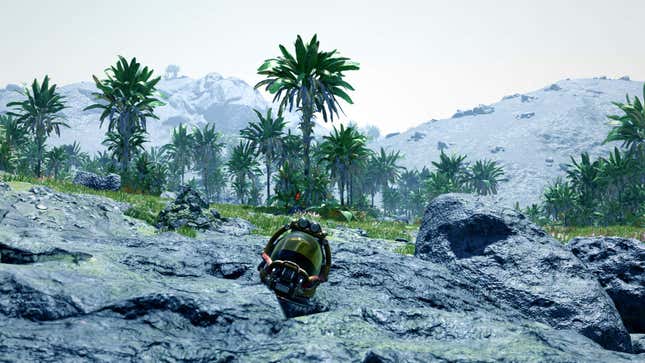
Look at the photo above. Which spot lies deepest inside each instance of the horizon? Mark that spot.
(473, 56)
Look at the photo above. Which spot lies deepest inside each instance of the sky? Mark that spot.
(419, 59)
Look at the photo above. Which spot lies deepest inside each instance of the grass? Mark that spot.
(565, 234)
(268, 220)
(187, 231)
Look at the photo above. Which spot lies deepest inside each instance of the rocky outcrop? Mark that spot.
(479, 110)
(189, 209)
(517, 263)
(638, 343)
(141, 296)
(619, 265)
(97, 182)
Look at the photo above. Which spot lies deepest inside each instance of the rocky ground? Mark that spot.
(79, 281)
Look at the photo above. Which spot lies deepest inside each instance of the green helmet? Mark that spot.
(296, 260)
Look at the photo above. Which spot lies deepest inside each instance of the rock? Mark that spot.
(41, 206)
(3, 213)
(4, 187)
(168, 195)
(553, 87)
(188, 209)
(526, 98)
(625, 78)
(215, 213)
(479, 110)
(619, 265)
(392, 134)
(525, 115)
(638, 343)
(517, 263)
(549, 160)
(97, 182)
(99, 295)
(417, 136)
(235, 227)
(510, 97)
(497, 149)
(41, 191)
(441, 145)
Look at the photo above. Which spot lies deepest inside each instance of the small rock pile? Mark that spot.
(189, 209)
(97, 182)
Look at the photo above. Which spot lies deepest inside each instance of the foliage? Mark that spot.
(40, 114)
(207, 159)
(311, 81)
(243, 167)
(180, 151)
(265, 135)
(126, 98)
(13, 138)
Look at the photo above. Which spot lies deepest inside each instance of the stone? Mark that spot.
(441, 145)
(517, 263)
(497, 149)
(112, 292)
(638, 343)
(553, 87)
(479, 110)
(41, 206)
(625, 78)
(526, 98)
(97, 182)
(525, 115)
(417, 136)
(41, 191)
(188, 209)
(619, 265)
(4, 187)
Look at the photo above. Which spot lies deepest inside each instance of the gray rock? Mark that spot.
(41, 191)
(4, 187)
(517, 263)
(391, 135)
(102, 295)
(97, 182)
(497, 149)
(479, 110)
(441, 145)
(553, 87)
(638, 343)
(527, 98)
(625, 78)
(525, 115)
(417, 136)
(619, 265)
(189, 209)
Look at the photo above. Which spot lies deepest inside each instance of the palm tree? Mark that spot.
(126, 98)
(386, 170)
(243, 166)
(311, 81)
(560, 201)
(12, 137)
(75, 157)
(56, 161)
(180, 150)
(266, 136)
(453, 166)
(345, 151)
(485, 175)
(207, 155)
(40, 114)
(630, 127)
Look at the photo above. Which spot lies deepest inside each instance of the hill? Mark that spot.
(532, 135)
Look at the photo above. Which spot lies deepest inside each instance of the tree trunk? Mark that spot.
(306, 138)
(268, 165)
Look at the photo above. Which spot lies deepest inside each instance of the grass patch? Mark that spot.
(565, 234)
(407, 249)
(187, 231)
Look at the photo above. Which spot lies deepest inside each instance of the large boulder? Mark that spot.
(517, 263)
(619, 265)
(97, 182)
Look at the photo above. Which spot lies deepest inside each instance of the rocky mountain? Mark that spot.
(79, 281)
(532, 135)
(226, 102)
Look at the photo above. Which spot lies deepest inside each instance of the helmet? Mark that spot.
(296, 260)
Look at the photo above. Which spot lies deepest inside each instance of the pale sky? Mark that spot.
(420, 59)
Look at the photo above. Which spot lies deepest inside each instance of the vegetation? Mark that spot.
(608, 190)
(311, 81)
(127, 99)
(40, 115)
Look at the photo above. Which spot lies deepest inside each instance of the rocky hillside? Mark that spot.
(532, 134)
(227, 102)
(80, 281)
